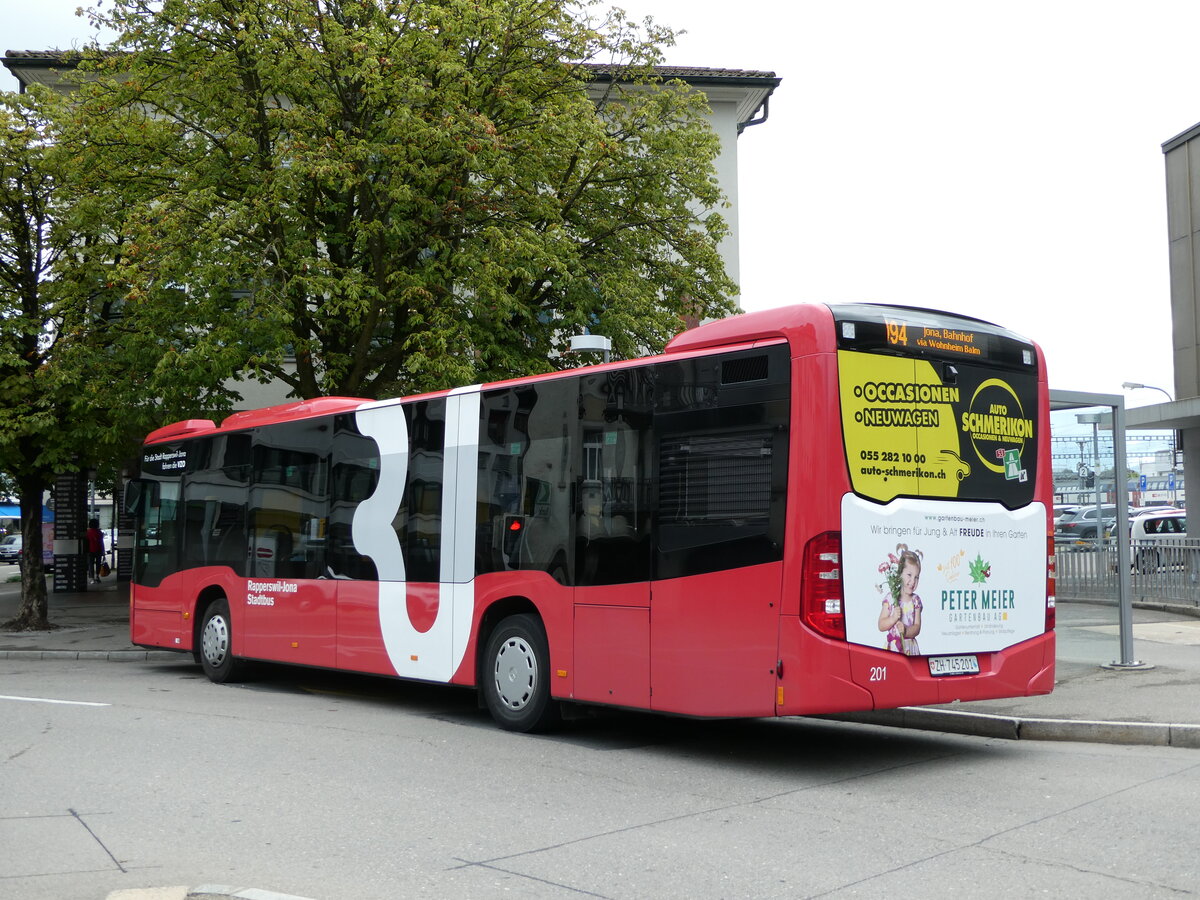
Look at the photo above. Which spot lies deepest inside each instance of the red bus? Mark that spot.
(812, 509)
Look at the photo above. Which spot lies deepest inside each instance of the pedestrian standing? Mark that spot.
(94, 538)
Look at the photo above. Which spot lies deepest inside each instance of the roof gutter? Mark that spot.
(756, 119)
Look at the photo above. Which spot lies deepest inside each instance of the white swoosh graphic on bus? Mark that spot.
(436, 654)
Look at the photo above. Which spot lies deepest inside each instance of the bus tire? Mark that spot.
(516, 676)
(216, 644)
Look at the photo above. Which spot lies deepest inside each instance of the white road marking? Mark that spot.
(45, 700)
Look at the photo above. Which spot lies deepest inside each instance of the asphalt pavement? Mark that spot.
(1155, 703)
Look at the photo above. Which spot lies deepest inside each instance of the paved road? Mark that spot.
(334, 787)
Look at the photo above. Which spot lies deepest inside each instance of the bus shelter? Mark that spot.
(1114, 419)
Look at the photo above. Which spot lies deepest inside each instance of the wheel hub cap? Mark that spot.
(516, 673)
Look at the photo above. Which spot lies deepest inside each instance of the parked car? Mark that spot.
(1083, 525)
(10, 548)
(1061, 511)
(1155, 535)
(1142, 510)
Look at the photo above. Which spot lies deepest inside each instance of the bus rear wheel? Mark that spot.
(516, 676)
(216, 644)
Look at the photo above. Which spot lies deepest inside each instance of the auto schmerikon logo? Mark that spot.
(995, 420)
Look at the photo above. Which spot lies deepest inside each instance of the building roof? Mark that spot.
(750, 89)
(1180, 139)
(40, 66)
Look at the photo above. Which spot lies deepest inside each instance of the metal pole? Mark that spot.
(1096, 483)
(1124, 588)
(1171, 468)
(1082, 472)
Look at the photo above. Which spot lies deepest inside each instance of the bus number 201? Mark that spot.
(879, 673)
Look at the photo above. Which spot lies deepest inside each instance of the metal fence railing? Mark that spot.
(1159, 571)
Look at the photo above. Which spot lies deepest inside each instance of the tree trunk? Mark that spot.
(34, 613)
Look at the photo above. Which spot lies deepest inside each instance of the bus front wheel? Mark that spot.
(216, 644)
(516, 675)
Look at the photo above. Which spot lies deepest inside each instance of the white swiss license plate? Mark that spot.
(954, 665)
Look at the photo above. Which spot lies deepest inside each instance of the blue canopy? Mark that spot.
(13, 511)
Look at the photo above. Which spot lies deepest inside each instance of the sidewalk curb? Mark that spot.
(225, 892)
(1016, 728)
(203, 892)
(109, 655)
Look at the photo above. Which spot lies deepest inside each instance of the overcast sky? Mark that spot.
(1000, 160)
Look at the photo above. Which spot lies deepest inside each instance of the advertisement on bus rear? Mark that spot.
(925, 577)
(932, 428)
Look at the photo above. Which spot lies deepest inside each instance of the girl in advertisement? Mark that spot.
(901, 613)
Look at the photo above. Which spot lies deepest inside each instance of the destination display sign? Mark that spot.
(165, 459)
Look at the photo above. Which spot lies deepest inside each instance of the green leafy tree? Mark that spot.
(80, 381)
(46, 413)
(371, 197)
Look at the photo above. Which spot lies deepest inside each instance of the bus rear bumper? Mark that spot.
(831, 676)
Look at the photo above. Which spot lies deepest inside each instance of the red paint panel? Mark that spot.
(714, 641)
(612, 655)
(360, 645)
(157, 628)
(816, 673)
(277, 613)
(422, 603)
(894, 679)
(176, 596)
(637, 594)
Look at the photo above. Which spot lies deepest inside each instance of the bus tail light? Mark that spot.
(821, 589)
(1051, 578)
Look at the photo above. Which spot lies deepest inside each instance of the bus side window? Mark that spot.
(354, 474)
(524, 511)
(288, 500)
(722, 428)
(214, 512)
(155, 543)
(418, 521)
(613, 512)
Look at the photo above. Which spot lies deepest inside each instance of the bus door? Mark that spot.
(612, 527)
(290, 610)
(720, 472)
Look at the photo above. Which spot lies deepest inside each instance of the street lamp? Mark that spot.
(592, 343)
(1137, 385)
